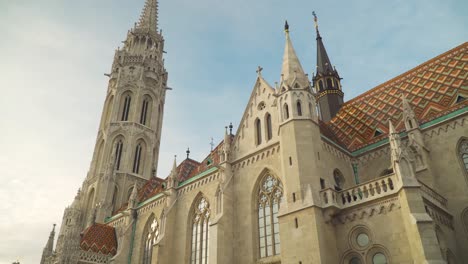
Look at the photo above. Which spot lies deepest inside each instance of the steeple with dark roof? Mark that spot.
(326, 81)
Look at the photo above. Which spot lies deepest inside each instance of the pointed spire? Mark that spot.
(408, 114)
(323, 62)
(395, 143)
(149, 16)
(50, 242)
(292, 68)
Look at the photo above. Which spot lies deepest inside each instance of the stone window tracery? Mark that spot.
(118, 154)
(137, 158)
(151, 237)
(200, 233)
(269, 198)
(144, 111)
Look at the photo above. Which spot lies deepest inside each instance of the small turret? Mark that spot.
(172, 180)
(395, 142)
(408, 115)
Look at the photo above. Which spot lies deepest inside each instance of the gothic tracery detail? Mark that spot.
(200, 232)
(269, 199)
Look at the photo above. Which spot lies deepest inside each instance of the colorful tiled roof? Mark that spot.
(433, 89)
(99, 238)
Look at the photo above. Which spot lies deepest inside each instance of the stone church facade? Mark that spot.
(306, 178)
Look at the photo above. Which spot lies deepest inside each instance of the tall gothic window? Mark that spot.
(144, 111)
(151, 237)
(118, 154)
(137, 159)
(126, 108)
(200, 234)
(463, 152)
(299, 108)
(269, 198)
(269, 131)
(258, 130)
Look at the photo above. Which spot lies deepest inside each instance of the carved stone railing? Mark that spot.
(360, 193)
(434, 197)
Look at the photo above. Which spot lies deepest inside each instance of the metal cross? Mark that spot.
(259, 70)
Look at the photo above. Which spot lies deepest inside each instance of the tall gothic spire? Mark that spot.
(327, 82)
(149, 16)
(49, 248)
(324, 65)
(292, 70)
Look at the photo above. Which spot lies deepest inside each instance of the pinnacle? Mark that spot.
(149, 16)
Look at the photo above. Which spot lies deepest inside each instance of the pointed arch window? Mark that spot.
(269, 198)
(200, 232)
(329, 83)
(269, 131)
(258, 131)
(299, 108)
(286, 111)
(151, 236)
(118, 154)
(144, 111)
(137, 159)
(126, 108)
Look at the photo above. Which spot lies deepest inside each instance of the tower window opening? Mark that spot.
(296, 222)
(286, 111)
(126, 108)
(118, 154)
(320, 85)
(299, 108)
(137, 159)
(144, 112)
(329, 83)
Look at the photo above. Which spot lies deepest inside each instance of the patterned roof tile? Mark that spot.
(99, 238)
(432, 89)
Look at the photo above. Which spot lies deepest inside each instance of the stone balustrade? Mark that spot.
(364, 192)
(431, 195)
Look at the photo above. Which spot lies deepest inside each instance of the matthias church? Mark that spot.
(305, 178)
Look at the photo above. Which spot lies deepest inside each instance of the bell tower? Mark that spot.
(327, 82)
(127, 145)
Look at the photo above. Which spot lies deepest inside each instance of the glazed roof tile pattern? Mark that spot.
(99, 238)
(432, 89)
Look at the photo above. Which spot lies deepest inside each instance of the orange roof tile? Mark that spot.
(432, 89)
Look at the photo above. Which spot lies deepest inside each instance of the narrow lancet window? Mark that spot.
(200, 232)
(258, 130)
(118, 154)
(299, 108)
(126, 108)
(268, 126)
(144, 112)
(137, 159)
(286, 111)
(269, 198)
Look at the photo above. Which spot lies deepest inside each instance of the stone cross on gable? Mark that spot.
(259, 70)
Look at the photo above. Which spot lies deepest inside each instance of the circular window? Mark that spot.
(379, 258)
(355, 260)
(261, 106)
(362, 240)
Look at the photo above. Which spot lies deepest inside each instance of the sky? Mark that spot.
(54, 54)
